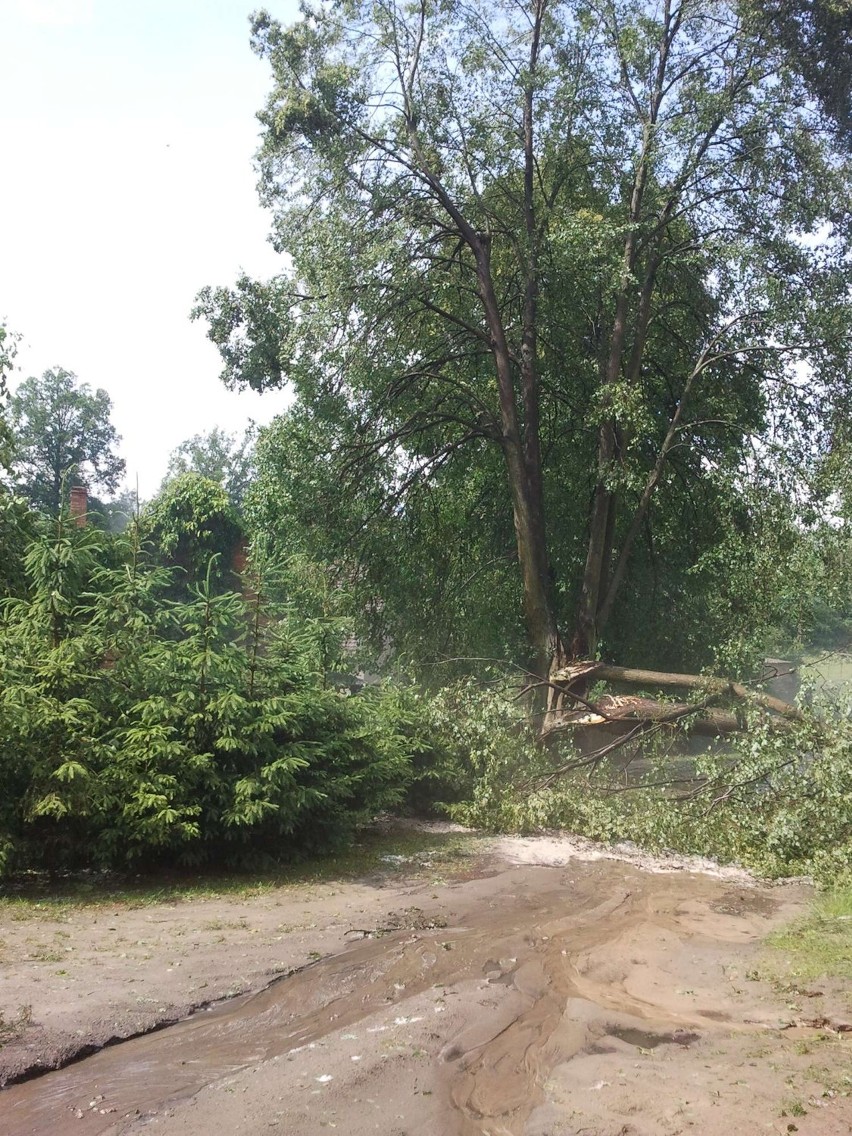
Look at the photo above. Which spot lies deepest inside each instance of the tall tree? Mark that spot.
(63, 436)
(603, 232)
(817, 37)
(8, 350)
(16, 528)
(220, 456)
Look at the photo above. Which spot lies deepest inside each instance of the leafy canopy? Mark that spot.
(63, 436)
(654, 218)
(220, 456)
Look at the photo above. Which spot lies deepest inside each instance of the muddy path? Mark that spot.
(588, 997)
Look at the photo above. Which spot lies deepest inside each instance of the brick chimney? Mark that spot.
(79, 505)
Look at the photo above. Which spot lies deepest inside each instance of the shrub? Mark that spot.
(134, 727)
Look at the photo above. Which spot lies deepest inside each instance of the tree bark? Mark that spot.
(527, 503)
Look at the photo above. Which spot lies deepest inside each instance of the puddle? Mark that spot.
(744, 903)
(642, 1039)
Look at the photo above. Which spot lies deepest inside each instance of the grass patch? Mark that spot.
(376, 854)
(11, 1028)
(835, 1079)
(793, 1107)
(828, 669)
(818, 946)
(808, 962)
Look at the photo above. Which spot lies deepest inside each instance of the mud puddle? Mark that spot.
(475, 1018)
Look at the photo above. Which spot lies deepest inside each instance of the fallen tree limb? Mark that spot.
(627, 710)
(606, 672)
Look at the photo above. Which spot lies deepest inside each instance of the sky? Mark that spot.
(127, 130)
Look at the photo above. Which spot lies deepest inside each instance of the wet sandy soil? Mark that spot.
(573, 996)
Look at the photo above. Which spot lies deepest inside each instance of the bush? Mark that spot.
(134, 728)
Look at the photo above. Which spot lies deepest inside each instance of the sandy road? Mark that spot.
(564, 996)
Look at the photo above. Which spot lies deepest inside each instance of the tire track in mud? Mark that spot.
(540, 965)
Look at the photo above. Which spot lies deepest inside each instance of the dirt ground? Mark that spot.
(540, 987)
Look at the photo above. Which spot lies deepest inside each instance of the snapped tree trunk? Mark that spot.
(702, 717)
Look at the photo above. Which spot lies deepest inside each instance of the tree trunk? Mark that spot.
(625, 715)
(527, 502)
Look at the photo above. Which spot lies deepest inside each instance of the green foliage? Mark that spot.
(220, 457)
(8, 350)
(777, 801)
(462, 735)
(63, 436)
(135, 728)
(383, 150)
(190, 521)
(434, 579)
(17, 528)
(817, 36)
